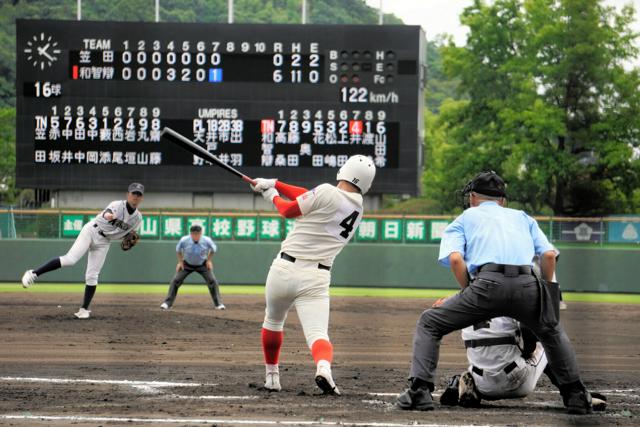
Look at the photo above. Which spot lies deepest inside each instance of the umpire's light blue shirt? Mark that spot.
(492, 233)
(196, 253)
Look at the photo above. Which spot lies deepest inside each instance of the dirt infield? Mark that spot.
(137, 365)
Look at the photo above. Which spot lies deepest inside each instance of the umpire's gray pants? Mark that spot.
(491, 295)
(206, 274)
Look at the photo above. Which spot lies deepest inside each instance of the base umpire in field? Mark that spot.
(489, 249)
(195, 253)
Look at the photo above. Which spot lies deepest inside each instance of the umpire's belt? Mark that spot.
(506, 269)
(489, 342)
(100, 232)
(507, 369)
(285, 256)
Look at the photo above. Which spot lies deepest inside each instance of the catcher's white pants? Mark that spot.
(301, 284)
(518, 383)
(88, 241)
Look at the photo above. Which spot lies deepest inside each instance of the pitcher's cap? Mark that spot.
(136, 186)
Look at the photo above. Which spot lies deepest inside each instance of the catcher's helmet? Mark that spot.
(487, 183)
(358, 170)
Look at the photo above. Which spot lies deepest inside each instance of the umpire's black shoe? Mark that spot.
(450, 395)
(579, 402)
(419, 400)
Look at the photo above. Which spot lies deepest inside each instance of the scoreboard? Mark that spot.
(286, 101)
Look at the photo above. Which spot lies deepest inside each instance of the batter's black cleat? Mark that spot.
(579, 402)
(419, 400)
(450, 395)
(324, 380)
(468, 394)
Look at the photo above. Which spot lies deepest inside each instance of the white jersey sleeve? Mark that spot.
(122, 224)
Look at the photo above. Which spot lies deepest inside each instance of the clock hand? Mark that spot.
(41, 50)
(51, 58)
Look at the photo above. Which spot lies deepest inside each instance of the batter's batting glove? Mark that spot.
(263, 184)
(269, 194)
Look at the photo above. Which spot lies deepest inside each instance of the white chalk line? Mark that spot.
(131, 383)
(81, 418)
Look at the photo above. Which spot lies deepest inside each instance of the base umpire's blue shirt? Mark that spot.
(196, 253)
(490, 233)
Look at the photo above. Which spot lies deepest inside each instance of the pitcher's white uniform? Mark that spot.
(499, 370)
(329, 219)
(96, 236)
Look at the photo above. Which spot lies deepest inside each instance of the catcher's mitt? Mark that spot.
(129, 241)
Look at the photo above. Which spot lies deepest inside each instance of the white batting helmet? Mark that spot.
(358, 170)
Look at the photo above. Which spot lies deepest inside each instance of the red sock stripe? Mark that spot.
(322, 350)
(271, 343)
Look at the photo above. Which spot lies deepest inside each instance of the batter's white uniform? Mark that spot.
(96, 236)
(329, 219)
(500, 371)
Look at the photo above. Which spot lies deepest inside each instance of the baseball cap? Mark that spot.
(195, 228)
(136, 186)
(490, 184)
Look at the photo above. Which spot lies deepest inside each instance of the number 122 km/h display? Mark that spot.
(289, 101)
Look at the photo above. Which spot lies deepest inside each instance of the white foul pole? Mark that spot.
(157, 10)
(230, 11)
(304, 11)
(380, 14)
(79, 10)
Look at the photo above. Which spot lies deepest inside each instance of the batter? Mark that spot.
(327, 218)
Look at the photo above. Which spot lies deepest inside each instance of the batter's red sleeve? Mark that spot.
(290, 191)
(287, 208)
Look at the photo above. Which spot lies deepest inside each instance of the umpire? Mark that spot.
(195, 253)
(489, 249)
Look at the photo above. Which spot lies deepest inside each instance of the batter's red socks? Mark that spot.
(271, 343)
(322, 350)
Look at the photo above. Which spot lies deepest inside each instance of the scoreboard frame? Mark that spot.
(49, 85)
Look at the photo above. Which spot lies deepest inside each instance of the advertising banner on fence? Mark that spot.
(581, 231)
(624, 232)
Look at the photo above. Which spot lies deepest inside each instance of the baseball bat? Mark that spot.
(194, 148)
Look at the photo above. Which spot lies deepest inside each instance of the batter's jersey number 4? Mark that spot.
(344, 222)
(348, 223)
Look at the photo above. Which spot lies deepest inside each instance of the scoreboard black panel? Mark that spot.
(286, 101)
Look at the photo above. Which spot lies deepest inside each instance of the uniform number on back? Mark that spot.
(347, 224)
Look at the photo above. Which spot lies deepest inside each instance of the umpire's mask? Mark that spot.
(487, 183)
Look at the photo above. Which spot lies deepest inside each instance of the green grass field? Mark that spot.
(259, 290)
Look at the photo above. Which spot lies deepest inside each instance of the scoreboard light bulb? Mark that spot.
(344, 78)
(355, 78)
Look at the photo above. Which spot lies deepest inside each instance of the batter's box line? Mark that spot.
(83, 418)
(144, 386)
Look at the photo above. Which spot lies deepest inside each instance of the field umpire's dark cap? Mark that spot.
(488, 183)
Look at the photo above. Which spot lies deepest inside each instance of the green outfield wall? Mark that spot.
(370, 265)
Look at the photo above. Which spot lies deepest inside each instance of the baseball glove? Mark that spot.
(129, 241)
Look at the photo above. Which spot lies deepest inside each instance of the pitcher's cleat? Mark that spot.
(272, 381)
(220, 307)
(324, 380)
(164, 306)
(83, 313)
(28, 278)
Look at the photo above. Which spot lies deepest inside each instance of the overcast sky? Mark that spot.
(441, 16)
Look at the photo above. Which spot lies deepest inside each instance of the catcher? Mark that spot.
(118, 221)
